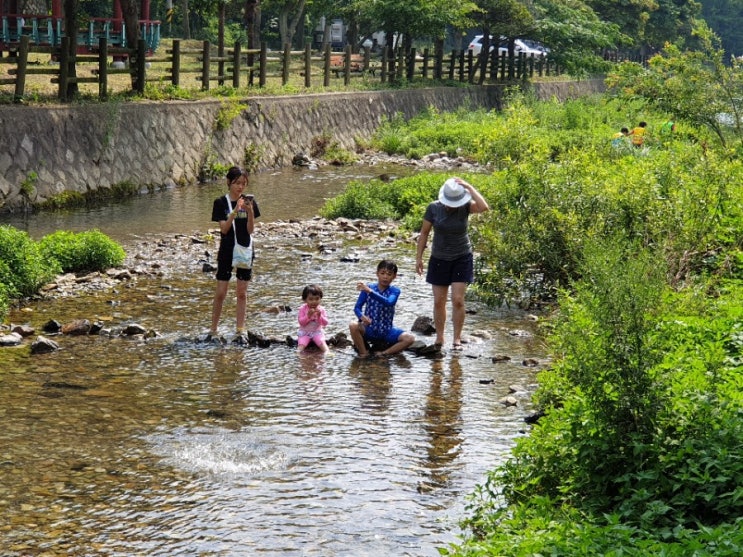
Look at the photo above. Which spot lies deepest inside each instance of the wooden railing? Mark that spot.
(238, 67)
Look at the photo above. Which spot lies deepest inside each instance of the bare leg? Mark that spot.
(440, 294)
(219, 297)
(242, 303)
(403, 341)
(458, 290)
(322, 346)
(357, 335)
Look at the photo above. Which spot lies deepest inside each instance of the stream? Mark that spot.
(126, 446)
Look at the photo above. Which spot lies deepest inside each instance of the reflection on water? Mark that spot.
(162, 447)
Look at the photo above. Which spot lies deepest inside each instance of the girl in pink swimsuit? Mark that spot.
(312, 318)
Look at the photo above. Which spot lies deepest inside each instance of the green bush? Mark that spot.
(23, 267)
(84, 251)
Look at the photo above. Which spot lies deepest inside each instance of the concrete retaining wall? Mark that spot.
(45, 151)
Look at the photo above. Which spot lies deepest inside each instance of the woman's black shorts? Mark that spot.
(443, 273)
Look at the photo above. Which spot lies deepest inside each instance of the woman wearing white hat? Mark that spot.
(451, 260)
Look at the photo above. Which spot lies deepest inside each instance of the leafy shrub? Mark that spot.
(84, 251)
(23, 267)
(359, 201)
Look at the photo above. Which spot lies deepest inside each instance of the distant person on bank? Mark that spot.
(236, 216)
(451, 264)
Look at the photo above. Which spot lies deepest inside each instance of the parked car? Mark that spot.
(519, 46)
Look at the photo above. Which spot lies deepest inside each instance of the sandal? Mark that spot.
(456, 347)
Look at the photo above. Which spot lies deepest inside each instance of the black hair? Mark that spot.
(234, 173)
(311, 290)
(643, 124)
(624, 131)
(387, 264)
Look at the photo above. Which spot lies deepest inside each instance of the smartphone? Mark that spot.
(248, 196)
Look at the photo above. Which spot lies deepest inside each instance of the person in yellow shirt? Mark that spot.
(638, 134)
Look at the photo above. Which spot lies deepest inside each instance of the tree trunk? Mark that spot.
(186, 21)
(251, 10)
(71, 8)
(130, 12)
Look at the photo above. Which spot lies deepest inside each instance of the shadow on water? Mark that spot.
(160, 447)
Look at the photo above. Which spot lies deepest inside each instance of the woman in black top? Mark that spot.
(236, 216)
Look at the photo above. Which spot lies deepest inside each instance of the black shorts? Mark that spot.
(443, 273)
(224, 270)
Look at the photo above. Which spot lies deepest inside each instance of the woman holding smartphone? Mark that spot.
(236, 214)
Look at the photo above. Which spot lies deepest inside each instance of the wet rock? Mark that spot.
(530, 362)
(340, 340)
(500, 358)
(208, 268)
(277, 309)
(535, 417)
(423, 325)
(509, 401)
(519, 333)
(486, 381)
(134, 329)
(52, 326)
(291, 342)
(350, 259)
(11, 339)
(516, 389)
(76, 327)
(482, 334)
(23, 330)
(43, 345)
(96, 328)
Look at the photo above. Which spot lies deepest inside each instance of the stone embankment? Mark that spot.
(48, 151)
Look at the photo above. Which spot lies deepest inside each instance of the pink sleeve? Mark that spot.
(302, 317)
(323, 320)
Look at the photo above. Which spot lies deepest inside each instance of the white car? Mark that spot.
(519, 46)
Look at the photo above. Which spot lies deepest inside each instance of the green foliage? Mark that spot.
(671, 84)
(658, 475)
(29, 184)
(23, 267)
(229, 109)
(84, 251)
(405, 197)
(252, 157)
(4, 297)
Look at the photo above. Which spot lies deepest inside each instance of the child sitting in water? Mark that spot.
(375, 310)
(312, 318)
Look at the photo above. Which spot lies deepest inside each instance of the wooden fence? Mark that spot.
(238, 67)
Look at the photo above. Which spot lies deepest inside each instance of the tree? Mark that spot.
(576, 34)
(71, 10)
(130, 12)
(692, 85)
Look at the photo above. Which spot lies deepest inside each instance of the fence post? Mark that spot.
(452, 64)
(411, 65)
(141, 68)
(326, 66)
(21, 65)
(438, 63)
(264, 56)
(347, 65)
(400, 64)
(383, 73)
(64, 60)
(205, 66)
(285, 64)
(236, 66)
(102, 68)
(307, 65)
(424, 72)
(175, 77)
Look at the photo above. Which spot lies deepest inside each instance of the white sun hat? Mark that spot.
(453, 194)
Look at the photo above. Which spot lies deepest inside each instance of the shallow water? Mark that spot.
(121, 446)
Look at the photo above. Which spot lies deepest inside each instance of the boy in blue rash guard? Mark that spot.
(375, 310)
